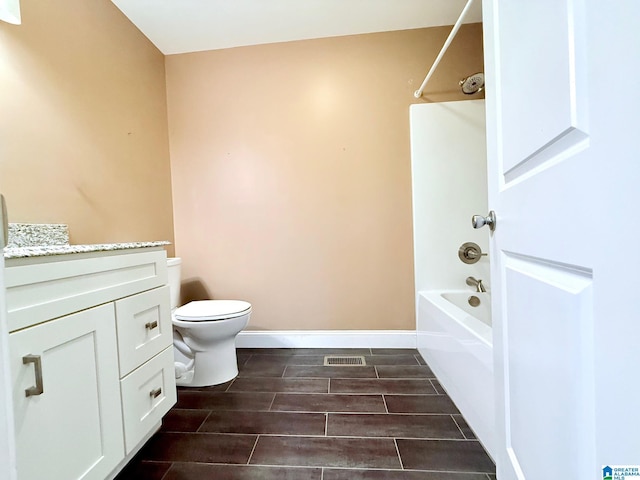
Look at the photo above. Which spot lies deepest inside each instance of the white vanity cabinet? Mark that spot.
(70, 428)
(91, 359)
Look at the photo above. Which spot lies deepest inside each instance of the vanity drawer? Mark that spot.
(147, 394)
(144, 327)
(64, 284)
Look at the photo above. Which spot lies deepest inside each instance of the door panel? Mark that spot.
(563, 176)
(541, 67)
(547, 350)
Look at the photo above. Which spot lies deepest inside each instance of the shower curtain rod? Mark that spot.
(454, 30)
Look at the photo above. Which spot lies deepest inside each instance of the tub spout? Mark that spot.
(473, 282)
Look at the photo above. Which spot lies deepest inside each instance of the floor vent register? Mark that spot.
(344, 361)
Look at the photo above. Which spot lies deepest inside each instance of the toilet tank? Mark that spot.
(173, 270)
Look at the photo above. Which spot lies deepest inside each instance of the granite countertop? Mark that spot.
(46, 250)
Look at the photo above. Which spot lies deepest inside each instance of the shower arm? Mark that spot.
(454, 31)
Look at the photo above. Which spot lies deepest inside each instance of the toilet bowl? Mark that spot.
(204, 335)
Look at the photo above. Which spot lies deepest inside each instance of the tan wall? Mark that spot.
(291, 173)
(83, 123)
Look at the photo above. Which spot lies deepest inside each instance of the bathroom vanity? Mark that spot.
(90, 355)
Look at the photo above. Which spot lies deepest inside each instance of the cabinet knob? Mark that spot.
(155, 393)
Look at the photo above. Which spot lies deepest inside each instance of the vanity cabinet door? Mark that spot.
(73, 428)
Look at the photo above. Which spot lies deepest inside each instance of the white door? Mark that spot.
(563, 159)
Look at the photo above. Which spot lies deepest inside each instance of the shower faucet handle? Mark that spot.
(470, 252)
(478, 221)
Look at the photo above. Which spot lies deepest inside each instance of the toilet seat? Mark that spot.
(212, 310)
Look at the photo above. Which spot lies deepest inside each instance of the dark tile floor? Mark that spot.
(288, 417)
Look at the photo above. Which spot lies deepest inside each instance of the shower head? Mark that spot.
(473, 83)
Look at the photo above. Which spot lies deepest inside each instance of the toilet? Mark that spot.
(204, 335)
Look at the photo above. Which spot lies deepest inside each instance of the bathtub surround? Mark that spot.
(449, 175)
(448, 159)
(291, 173)
(84, 123)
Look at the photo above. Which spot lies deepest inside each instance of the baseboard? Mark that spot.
(327, 339)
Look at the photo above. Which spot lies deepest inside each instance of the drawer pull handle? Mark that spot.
(155, 393)
(37, 363)
(151, 325)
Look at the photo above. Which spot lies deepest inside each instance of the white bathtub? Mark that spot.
(456, 341)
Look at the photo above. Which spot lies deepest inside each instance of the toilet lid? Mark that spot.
(207, 310)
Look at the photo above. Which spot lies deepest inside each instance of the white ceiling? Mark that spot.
(180, 26)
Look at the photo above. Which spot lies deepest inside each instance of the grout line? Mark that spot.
(165, 473)
(229, 386)
(326, 424)
(457, 425)
(347, 469)
(204, 421)
(329, 385)
(375, 367)
(376, 469)
(384, 400)
(316, 436)
(334, 412)
(395, 442)
(272, 401)
(253, 450)
(285, 371)
(292, 435)
(434, 387)
(249, 357)
(345, 412)
(417, 379)
(341, 394)
(322, 474)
